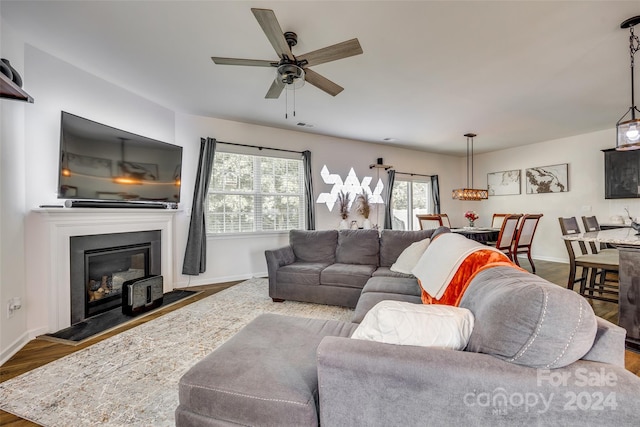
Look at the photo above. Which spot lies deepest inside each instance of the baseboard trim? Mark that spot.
(15, 347)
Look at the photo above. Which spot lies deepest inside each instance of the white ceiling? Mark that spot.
(514, 72)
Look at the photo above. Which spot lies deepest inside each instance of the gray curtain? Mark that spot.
(310, 207)
(388, 212)
(195, 256)
(435, 192)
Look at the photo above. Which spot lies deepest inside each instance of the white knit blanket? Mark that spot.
(441, 260)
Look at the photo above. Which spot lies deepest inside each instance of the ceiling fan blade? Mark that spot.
(274, 91)
(331, 53)
(269, 23)
(322, 83)
(249, 62)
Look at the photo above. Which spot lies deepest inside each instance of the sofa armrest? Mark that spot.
(277, 258)
(375, 384)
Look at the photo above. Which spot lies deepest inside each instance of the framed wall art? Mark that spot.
(503, 183)
(548, 179)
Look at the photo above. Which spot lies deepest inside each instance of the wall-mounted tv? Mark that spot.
(99, 162)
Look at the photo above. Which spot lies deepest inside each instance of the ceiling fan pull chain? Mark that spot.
(286, 104)
(294, 102)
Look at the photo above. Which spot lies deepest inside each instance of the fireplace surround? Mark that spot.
(49, 232)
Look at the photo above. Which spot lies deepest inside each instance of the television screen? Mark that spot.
(98, 162)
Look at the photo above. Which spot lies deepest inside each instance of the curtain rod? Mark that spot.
(258, 147)
(412, 174)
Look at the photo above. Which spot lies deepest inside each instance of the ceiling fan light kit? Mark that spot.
(470, 193)
(293, 71)
(628, 131)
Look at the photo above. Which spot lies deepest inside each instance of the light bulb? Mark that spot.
(633, 134)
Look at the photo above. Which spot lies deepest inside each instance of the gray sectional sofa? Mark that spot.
(332, 267)
(537, 356)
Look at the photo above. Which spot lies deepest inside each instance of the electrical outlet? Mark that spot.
(13, 304)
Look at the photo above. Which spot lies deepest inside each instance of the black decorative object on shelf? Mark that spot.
(15, 76)
(6, 70)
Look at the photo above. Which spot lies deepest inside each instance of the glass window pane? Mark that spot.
(255, 193)
(399, 205)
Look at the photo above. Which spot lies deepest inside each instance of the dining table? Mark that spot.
(479, 234)
(627, 241)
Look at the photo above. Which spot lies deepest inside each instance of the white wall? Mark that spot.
(586, 187)
(13, 331)
(235, 258)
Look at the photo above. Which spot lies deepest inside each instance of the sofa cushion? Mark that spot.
(348, 275)
(368, 300)
(314, 246)
(523, 319)
(302, 273)
(410, 257)
(358, 247)
(386, 272)
(393, 242)
(396, 285)
(403, 323)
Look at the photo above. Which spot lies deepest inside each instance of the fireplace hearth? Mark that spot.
(100, 264)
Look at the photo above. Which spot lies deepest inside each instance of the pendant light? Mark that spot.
(628, 131)
(470, 193)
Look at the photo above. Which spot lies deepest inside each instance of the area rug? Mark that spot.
(107, 321)
(131, 379)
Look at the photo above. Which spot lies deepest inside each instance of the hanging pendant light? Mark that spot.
(628, 131)
(470, 193)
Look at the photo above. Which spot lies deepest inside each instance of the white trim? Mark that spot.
(14, 347)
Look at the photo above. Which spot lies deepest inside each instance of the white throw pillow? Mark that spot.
(404, 323)
(410, 257)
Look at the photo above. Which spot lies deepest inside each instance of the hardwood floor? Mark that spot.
(39, 352)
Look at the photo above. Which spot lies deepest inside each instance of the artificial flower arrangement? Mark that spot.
(471, 216)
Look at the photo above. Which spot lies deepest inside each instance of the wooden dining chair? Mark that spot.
(429, 221)
(591, 224)
(497, 220)
(593, 266)
(445, 220)
(507, 234)
(524, 238)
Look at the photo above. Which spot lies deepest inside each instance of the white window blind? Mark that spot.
(255, 193)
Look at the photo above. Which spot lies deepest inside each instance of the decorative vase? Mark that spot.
(354, 225)
(344, 225)
(366, 224)
(14, 74)
(471, 223)
(6, 70)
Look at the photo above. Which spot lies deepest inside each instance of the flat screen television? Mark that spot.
(99, 162)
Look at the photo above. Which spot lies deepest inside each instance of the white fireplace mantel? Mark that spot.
(48, 254)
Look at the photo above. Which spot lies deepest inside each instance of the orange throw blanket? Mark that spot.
(473, 264)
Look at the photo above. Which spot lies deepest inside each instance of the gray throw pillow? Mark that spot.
(523, 319)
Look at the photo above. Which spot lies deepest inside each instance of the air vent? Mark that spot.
(304, 125)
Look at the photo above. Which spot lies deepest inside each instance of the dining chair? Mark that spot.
(593, 265)
(497, 220)
(429, 221)
(507, 234)
(445, 220)
(524, 237)
(591, 224)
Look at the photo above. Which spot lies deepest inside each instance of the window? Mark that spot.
(410, 198)
(251, 193)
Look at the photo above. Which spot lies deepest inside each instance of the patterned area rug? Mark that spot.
(131, 379)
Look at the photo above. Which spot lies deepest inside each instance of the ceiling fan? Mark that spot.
(293, 70)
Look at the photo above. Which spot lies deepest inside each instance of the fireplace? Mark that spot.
(101, 263)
